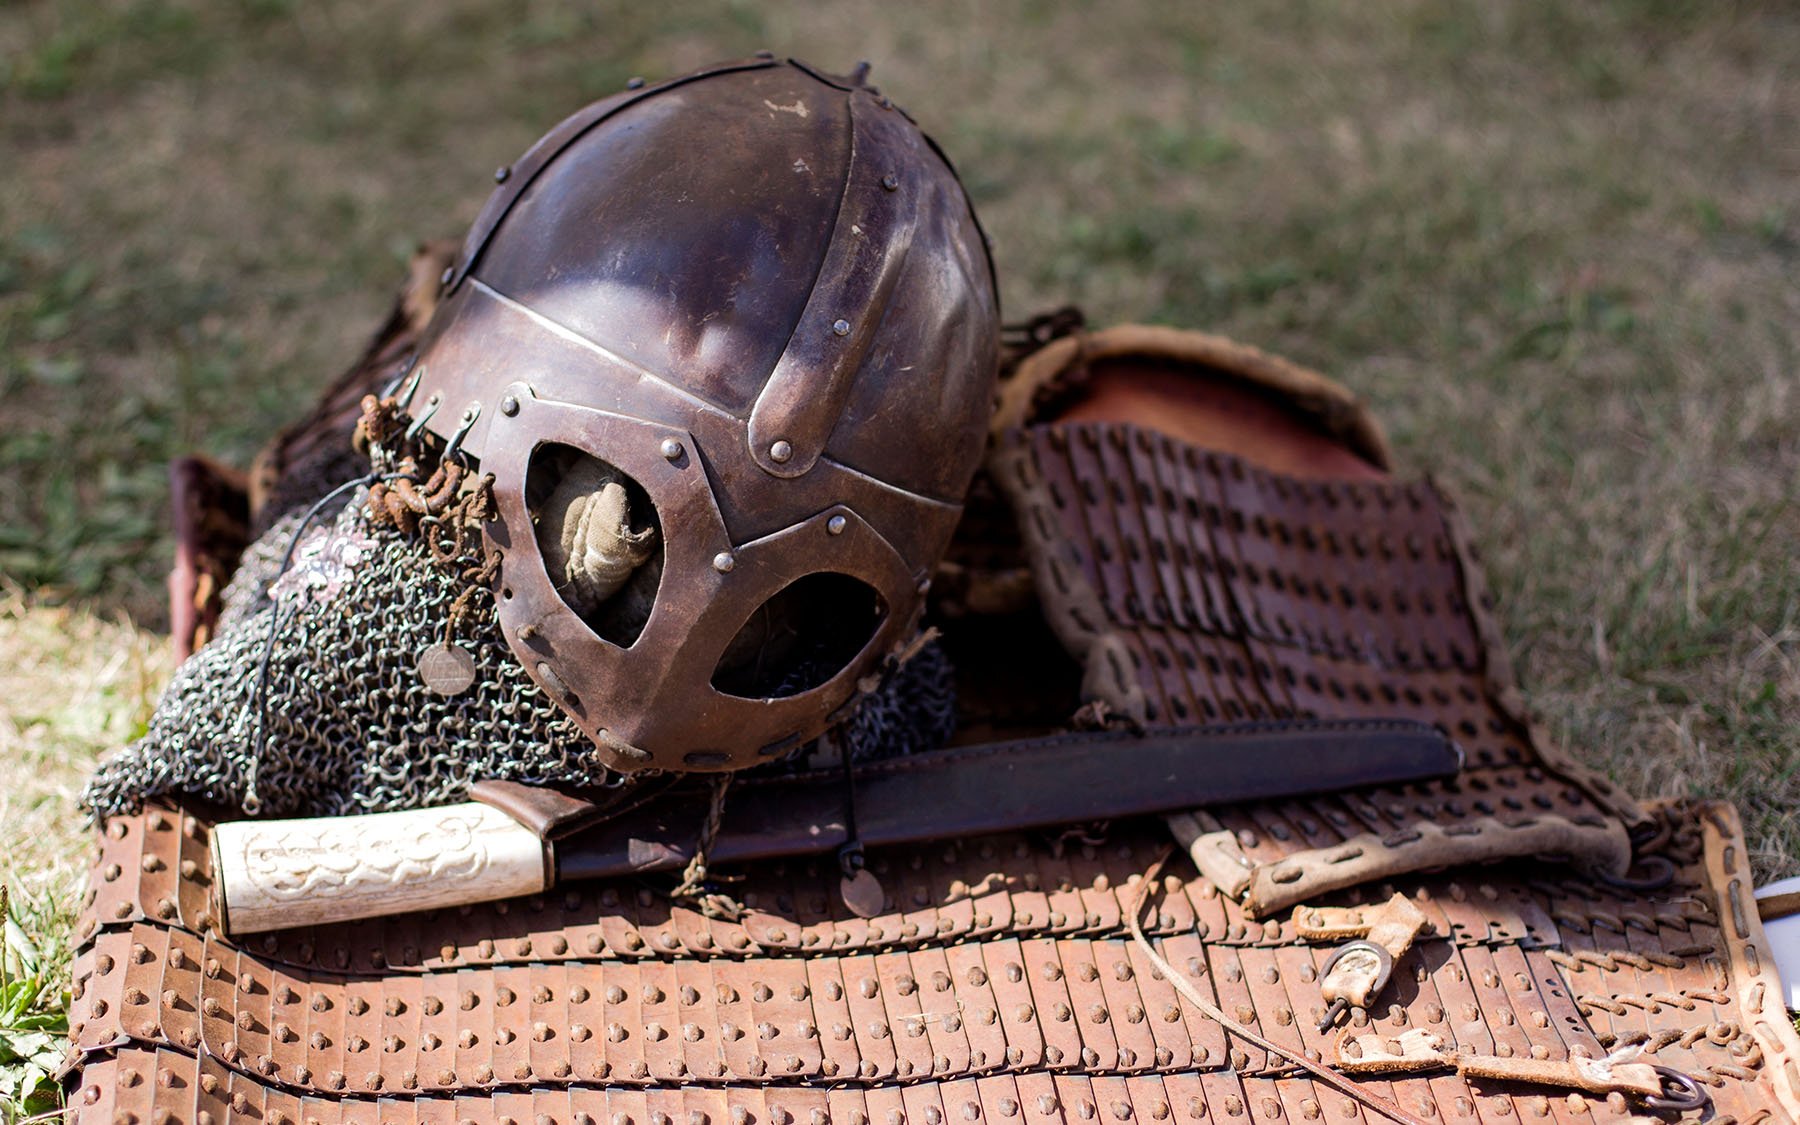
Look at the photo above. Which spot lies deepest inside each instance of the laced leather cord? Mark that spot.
(693, 889)
(1193, 996)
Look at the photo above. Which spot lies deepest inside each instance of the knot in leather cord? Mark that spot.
(589, 544)
(692, 889)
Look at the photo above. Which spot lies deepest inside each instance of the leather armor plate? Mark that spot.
(1195, 586)
(1000, 984)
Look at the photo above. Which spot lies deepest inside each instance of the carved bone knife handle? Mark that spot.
(274, 874)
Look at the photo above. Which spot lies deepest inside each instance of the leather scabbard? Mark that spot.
(996, 787)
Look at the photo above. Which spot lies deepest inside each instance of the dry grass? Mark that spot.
(74, 684)
(1556, 244)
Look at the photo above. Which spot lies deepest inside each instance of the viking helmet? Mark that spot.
(727, 345)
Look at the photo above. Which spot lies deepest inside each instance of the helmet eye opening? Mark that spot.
(801, 637)
(600, 539)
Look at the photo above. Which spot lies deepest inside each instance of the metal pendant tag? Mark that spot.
(446, 668)
(862, 893)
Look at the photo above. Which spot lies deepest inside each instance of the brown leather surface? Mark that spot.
(1100, 375)
(1193, 585)
(211, 516)
(999, 983)
(1214, 413)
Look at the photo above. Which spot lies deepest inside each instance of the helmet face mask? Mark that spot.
(659, 689)
(717, 508)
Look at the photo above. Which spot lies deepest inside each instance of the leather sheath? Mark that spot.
(998, 984)
(946, 794)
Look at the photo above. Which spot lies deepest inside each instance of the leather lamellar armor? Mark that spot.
(1033, 978)
(744, 322)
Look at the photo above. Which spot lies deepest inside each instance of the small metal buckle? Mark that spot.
(1384, 970)
(1680, 1091)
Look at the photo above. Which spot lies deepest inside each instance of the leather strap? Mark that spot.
(1030, 783)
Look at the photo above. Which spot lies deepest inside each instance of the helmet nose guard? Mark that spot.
(760, 295)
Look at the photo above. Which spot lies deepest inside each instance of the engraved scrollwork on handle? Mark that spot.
(278, 874)
(298, 859)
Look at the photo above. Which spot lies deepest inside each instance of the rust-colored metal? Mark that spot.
(760, 293)
(607, 995)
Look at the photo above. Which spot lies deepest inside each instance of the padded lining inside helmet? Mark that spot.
(619, 614)
(800, 638)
